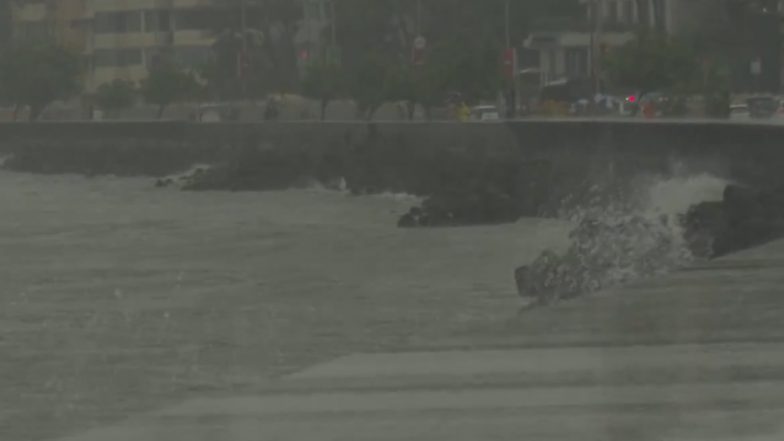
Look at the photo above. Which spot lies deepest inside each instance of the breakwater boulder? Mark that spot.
(616, 248)
(745, 217)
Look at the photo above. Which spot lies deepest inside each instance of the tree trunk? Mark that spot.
(371, 111)
(15, 115)
(324, 104)
(411, 108)
(161, 109)
(36, 111)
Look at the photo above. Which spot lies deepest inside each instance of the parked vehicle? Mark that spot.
(211, 113)
(485, 113)
(739, 112)
(762, 107)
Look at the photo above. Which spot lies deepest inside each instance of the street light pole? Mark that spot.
(512, 94)
(419, 18)
(334, 24)
(244, 56)
(508, 32)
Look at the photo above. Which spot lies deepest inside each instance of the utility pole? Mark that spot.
(507, 18)
(419, 18)
(596, 41)
(511, 101)
(334, 24)
(244, 61)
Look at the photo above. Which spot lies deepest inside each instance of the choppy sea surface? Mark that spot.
(117, 297)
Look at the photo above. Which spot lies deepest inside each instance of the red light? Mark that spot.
(631, 98)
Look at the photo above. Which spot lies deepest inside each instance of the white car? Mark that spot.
(739, 112)
(485, 113)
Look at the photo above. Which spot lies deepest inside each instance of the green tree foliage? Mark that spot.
(323, 82)
(271, 27)
(368, 83)
(119, 94)
(465, 42)
(224, 73)
(35, 75)
(166, 85)
(653, 62)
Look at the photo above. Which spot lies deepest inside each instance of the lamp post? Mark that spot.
(510, 58)
(244, 48)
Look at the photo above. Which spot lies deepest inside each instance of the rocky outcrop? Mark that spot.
(745, 217)
(615, 249)
(485, 204)
(98, 157)
(483, 193)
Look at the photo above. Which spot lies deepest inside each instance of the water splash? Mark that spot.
(633, 235)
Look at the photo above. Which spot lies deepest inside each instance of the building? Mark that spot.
(755, 49)
(568, 49)
(49, 20)
(121, 39)
(127, 38)
(572, 49)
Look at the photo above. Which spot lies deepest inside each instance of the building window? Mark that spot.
(313, 10)
(118, 22)
(576, 62)
(194, 19)
(32, 31)
(117, 57)
(192, 56)
(157, 21)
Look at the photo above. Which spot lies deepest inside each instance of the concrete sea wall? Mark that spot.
(564, 155)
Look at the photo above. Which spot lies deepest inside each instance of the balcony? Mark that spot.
(567, 24)
(194, 38)
(30, 12)
(134, 5)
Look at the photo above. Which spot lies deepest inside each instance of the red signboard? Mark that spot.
(510, 63)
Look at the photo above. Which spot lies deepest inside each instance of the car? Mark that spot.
(762, 107)
(739, 112)
(213, 113)
(485, 113)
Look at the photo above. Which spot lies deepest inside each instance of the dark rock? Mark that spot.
(483, 199)
(257, 169)
(746, 217)
(163, 182)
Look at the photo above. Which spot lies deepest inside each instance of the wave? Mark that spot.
(636, 235)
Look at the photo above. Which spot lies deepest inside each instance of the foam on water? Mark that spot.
(634, 236)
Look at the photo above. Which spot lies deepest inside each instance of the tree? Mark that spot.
(368, 83)
(35, 75)
(465, 43)
(166, 85)
(118, 94)
(323, 82)
(653, 62)
(270, 62)
(425, 85)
